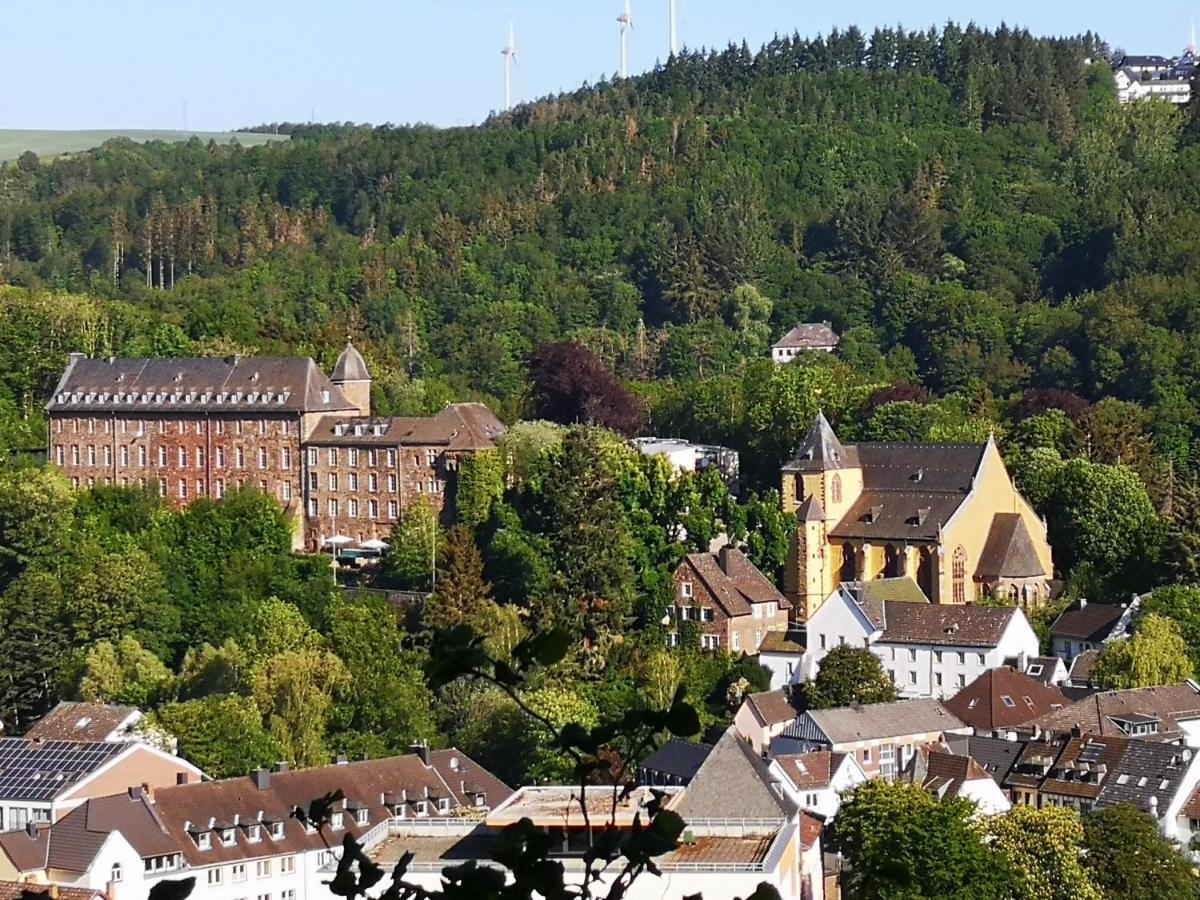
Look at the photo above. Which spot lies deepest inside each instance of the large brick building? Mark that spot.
(201, 427)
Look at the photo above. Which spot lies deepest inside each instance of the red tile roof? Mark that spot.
(734, 581)
(1004, 698)
(80, 722)
(811, 770)
(16, 890)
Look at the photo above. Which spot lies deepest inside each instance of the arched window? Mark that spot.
(835, 489)
(116, 874)
(959, 574)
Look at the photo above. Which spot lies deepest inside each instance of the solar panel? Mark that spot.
(40, 770)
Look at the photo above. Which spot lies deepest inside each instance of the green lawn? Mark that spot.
(14, 142)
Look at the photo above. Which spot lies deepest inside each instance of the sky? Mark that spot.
(223, 64)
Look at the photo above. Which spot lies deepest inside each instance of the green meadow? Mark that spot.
(14, 142)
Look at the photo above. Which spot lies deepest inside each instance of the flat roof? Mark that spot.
(561, 806)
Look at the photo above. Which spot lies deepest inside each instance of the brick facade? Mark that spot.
(321, 455)
(731, 603)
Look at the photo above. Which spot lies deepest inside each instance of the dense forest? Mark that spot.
(1003, 248)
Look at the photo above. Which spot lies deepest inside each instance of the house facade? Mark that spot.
(816, 781)
(807, 337)
(1084, 626)
(947, 515)
(732, 604)
(203, 427)
(929, 650)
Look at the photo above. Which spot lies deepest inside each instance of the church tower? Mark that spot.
(351, 376)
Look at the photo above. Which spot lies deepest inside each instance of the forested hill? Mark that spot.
(971, 210)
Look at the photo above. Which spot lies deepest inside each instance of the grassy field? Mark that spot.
(14, 142)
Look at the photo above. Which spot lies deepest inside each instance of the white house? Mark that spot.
(805, 338)
(43, 780)
(929, 650)
(1084, 626)
(684, 457)
(945, 774)
(782, 654)
(815, 781)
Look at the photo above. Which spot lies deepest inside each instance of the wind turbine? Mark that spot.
(510, 57)
(673, 18)
(626, 20)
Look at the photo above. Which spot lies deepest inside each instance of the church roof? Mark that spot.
(350, 366)
(1009, 551)
(821, 450)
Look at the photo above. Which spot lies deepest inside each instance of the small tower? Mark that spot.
(351, 376)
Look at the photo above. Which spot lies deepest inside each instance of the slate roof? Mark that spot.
(1101, 713)
(1009, 550)
(678, 758)
(734, 782)
(1087, 621)
(252, 385)
(350, 366)
(872, 597)
(39, 771)
(1082, 666)
(734, 581)
(1045, 667)
(874, 721)
(808, 335)
(1003, 698)
(945, 625)
(810, 510)
(70, 721)
(996, 756)
(940, 771)
(821, 450)
(811, 770)
(772, 707)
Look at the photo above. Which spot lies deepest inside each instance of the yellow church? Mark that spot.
(948, 515)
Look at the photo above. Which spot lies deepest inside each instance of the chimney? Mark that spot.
(262, 778)
(31, 829)
(1082, 602)
(281, 766)
(723, 558)
(421, 750)
(148, 791)
(135, 792)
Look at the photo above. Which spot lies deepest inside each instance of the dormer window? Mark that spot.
(228, 837)
(480, 799)
(253, 832)
(360, 816)
(422, 808)
(444, 805)
(276, 830)
(337, 820)
(204, 840)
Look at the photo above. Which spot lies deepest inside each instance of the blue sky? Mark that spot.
(135, 63)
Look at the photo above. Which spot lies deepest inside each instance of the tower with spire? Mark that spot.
(351, 376)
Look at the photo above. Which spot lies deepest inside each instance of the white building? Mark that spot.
(683, 457)
(1086, 626)
(815, 781)
(238, 836)
(43, 780)
(805, 338)
(929, 650)
(1132, 88)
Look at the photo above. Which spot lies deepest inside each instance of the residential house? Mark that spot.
(733, 604)
(764, 715)
(1082, 669)
(23, 890)
(43, 780)
(929, 650)
(882, 737)
(71, 721)
(1086, 772)
(1049, 670)
(684, 457)
(782, 654)
(947, 515)
(202, 427)
(1002, 699)
(238, 836)
(674, 763)
(948, 775)
(815, 781)
(807, 337)
(1089, 626)
(1166, 713)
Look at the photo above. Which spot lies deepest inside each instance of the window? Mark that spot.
(1035, 670)
(239, 872)
(710, 641)
(228, 837)
(200, 487)
(912, 677)
(289, 894)
(264, 896)
(285, 458)
(124, 455)
(866, 755)
(262, 426)
(254, 833)
(91, 454)
(962, 659)
(962, 681)
(183, 489)
(313, 483)
(391, 459)
(373, 482)
(333, 456)
(373, 509)
(372, 457)
(116, 874)
(835, 489)
(220, 488)
(240, 458)
(288, 863)
(75, 454)
(959, 575)
(393, 509)
(312, 507)
(937, 656)
(262, 868)
(352, 509)
(352, 453)
(912, 655)
(810, 799)
(60, 455)
(333, 481)
(220, 457)
(822, 638)
(685, 589)
(937, 678)
(333, 508)
(142, 457)
(979, 658)
(220, 426)
(352, 480)
(199, 459)
(287, 490)
(360, 816)
(285, 427)
(262, 457)
(183, 457)
(312, 456)
(392, 483)
(216, 875)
